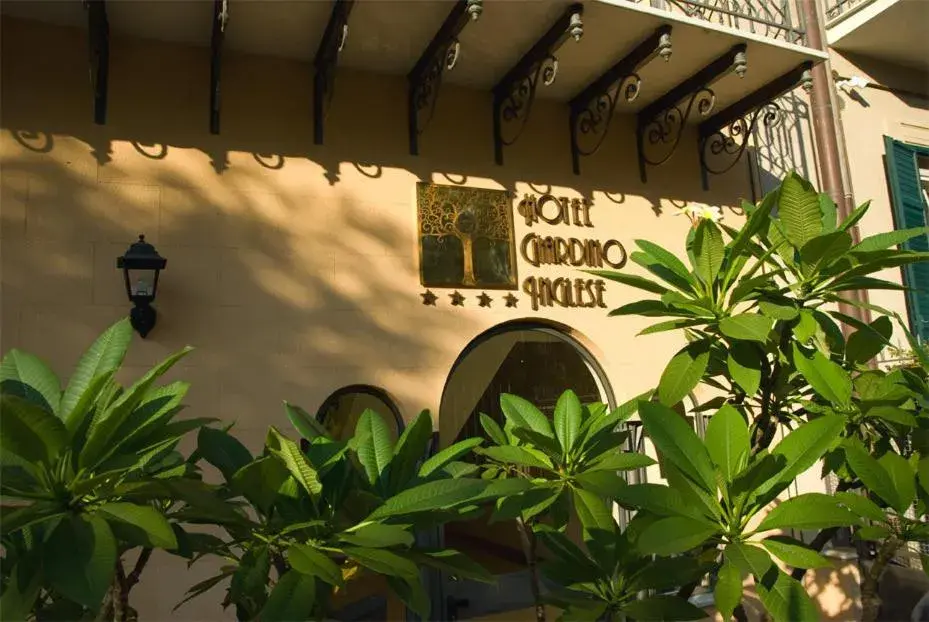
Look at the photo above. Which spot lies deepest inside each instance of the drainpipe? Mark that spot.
(833, 161)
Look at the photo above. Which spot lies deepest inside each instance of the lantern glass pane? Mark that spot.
(142, 282)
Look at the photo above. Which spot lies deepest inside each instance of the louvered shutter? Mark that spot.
(909, 205)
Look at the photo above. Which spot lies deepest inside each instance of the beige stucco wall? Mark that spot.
(867, 116)
(292, 268)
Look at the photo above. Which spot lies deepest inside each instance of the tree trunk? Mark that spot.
(870, 601)
(529, 550)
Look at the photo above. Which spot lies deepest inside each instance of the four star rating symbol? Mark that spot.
(430, 299)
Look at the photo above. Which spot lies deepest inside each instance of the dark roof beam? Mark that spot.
(325, 63)
(514, 93)
(440, 56)
(98, 33)
(591, 111)
(660, 125)
(220, 19)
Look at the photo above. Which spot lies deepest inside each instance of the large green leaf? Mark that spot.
(728, 589)
(295, 461)
(29, 431)
(523, 414)
(103, 358)
(377, 535)
(881, 241)
(799, 211)
(372, 444)
(825, 248)
(727, 441)
(148, 423)
(673, 535)
(410, 449)
(746, 326)
(20, 594)
(828, 379)
(707, 251)
(144, 525)
(632, 280)
(808, 511)
(223, 451)
(795, 553)
(431, 496)
(26, 376)
(683, 373)
(592, 511)
(79, 559)
(305, 423)
(16, 518)
(291, 599)
(383, 562)
(868, 341)
(454, 564)
(677, 443)
(657, 499)
(653, 257)
(617, 460)
(799, 451)
(786, 599)
(493, 430)
(307, 560)
(567, 419)
(871, 472)
(853, 218)
(669, 572)
(861, 505)
(518, 456)
(663, 607)
(101, 434)
(449, 454)
(903, 477)
(744, 365)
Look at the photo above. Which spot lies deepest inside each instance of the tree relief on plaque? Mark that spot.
(466, 237)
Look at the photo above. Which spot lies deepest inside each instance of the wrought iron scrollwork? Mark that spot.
(98, 34)
(660, 137)
(441, 56)
(515, 93)
(593, 109)
(722, 149)
(325, 63)
(661, 124)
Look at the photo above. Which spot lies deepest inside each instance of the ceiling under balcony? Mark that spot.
(896, 31)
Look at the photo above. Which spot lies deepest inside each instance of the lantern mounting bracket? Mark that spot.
(98, 34)
(440, 56)
(325, 63)
(723, 138)
(660, 125)
(514, 93)
(592, 109)
(220, 19)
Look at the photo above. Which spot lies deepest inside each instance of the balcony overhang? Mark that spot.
(890, 30)
(598, 54)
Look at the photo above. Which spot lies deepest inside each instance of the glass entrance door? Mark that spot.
(537, 364)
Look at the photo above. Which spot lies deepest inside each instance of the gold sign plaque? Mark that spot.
(465, 237)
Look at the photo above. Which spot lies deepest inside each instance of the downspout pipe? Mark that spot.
(830, 151)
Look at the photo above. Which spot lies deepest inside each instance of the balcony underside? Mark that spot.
(495, 52)
(894, 31)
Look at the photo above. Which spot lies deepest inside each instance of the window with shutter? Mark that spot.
(908, 186)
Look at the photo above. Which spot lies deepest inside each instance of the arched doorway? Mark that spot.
(536, 361)
(340, 412)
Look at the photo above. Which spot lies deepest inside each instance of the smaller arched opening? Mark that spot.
(339, 413)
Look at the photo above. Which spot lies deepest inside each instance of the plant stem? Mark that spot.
(136, 573)
(121, 594)
(529, 550)
(870, 601)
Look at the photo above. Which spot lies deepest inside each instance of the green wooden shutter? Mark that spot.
(910, 209)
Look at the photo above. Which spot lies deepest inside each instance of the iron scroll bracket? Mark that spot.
(326, 62)
(724, 137)
(591, 111)
(440, 56)
(98, 34)
(514, 94)
(660, 125)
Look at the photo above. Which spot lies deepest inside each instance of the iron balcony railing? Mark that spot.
(837, 10)
(777, 19)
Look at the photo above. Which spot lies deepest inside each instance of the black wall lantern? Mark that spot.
(141, 265)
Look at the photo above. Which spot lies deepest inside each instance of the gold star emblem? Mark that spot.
(511, 301)
(429, 298)
(457, 299)
(484, 299)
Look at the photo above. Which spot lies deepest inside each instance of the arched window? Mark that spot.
(340, 412)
